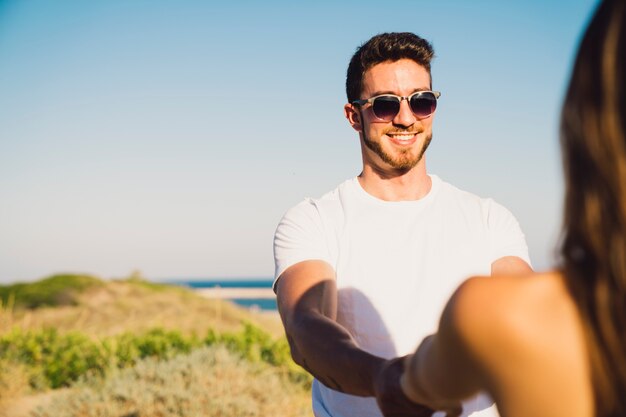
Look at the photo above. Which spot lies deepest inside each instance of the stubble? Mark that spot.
(403, 160)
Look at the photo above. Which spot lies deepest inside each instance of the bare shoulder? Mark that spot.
(506, 297)
(516, 303)
(525, 332)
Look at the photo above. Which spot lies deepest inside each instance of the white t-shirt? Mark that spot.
(396, 264)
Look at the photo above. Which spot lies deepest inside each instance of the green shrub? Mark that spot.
(56, 360)
(211, 338)
(210, 381)
(250, 343)
(255, 345)
(156, 342)
(53, 291)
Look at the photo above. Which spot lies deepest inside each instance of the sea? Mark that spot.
(255, 303)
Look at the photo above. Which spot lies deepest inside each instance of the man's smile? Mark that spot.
(402, 137)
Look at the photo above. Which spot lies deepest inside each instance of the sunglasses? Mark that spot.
(387, 106)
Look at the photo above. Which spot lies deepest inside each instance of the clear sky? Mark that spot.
(171, 136)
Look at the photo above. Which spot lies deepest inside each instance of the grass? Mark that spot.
(211, 381)
(52, 291)
(70, 331)
(107, 308)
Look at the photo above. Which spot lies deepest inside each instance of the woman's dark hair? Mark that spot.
(593, 245)
(382, 48)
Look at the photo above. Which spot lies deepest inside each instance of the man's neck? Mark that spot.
(396, 186)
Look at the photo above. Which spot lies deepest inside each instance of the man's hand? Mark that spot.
(389, 396)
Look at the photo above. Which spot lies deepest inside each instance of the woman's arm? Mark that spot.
(444, 370)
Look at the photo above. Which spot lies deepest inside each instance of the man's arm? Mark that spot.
(307, 302)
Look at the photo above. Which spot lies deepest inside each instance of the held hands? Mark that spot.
(414, 384)
(391, 399)
(389, 396)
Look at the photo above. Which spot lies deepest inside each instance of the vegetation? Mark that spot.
(54, 360)
(53, 291)
(132, 348)
(210, 381)
(129, 305)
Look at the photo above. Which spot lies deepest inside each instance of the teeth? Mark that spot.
(402, 136)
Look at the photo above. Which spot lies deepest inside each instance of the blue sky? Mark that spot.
(170, 136)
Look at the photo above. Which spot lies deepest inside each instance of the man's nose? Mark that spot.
(405, 116)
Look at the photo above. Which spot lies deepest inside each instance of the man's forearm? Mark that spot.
(307, 302)
(330, 354)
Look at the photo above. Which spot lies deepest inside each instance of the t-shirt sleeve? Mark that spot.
(506, 236)
(299, 237)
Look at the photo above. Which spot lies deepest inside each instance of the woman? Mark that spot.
(553, 344)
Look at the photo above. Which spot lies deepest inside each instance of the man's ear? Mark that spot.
(353, 116)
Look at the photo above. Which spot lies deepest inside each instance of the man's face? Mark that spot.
(400, 143)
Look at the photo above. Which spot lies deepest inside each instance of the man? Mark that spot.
(363, 273)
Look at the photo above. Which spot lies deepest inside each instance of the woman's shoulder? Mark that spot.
(514, 307)
(525, 331)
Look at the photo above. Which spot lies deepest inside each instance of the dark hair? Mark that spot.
(593, 246)
(382, 48)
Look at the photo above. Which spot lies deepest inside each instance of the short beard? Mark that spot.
(404, 161)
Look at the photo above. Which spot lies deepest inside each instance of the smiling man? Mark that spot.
(363, 273)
